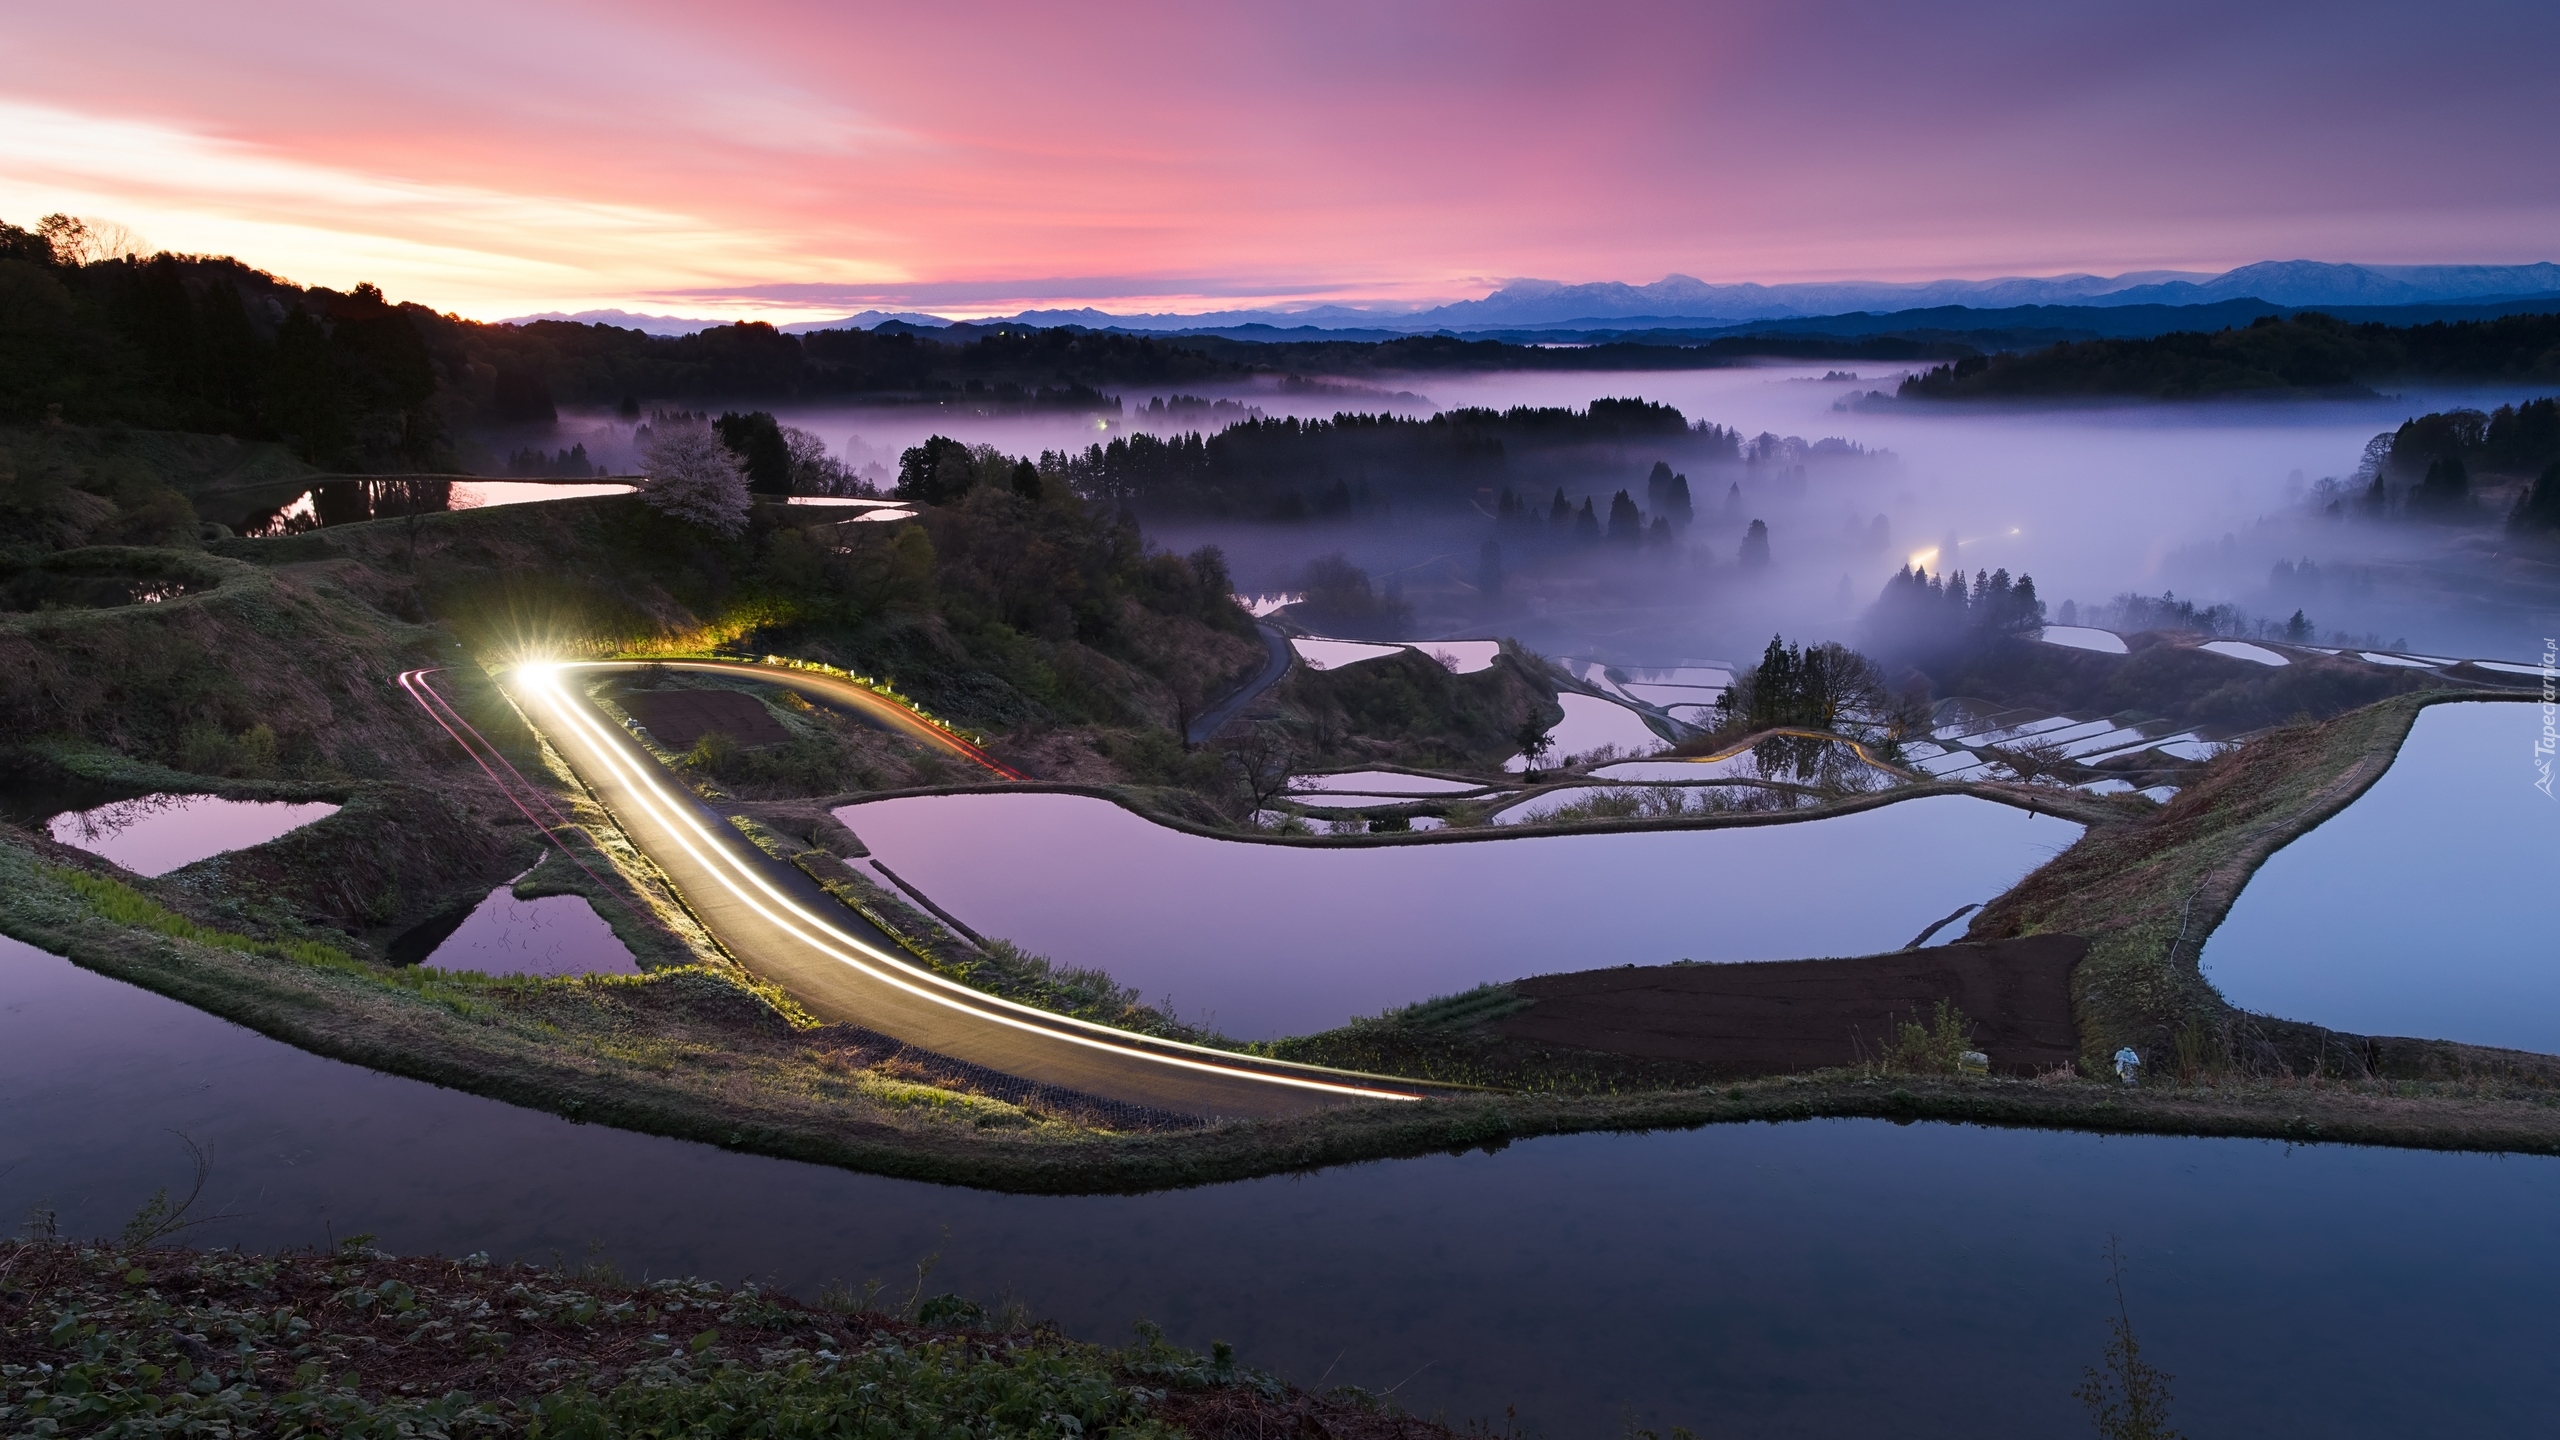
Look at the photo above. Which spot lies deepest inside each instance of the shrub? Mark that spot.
(1937, 1048)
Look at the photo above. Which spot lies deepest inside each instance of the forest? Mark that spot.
(356, 382)
(1286, 469)
(2309, 355)
(2443, 465)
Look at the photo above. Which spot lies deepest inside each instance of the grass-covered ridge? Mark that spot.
(132, 1339)
(2148, 896)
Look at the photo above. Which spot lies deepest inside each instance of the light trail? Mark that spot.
(1857, 746)
(415, 683)
(905, 718)
(721, 862)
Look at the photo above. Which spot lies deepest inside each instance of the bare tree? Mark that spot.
(813, 470)
(2037, 762)
(412, 498)
(1261, 759)
(80, 241)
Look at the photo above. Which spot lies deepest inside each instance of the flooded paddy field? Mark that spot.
(291, 509)
(157, 833)
(505, 935)
(1788, 1280)
(2423, 909)
(1265, 940)
(1591, 724)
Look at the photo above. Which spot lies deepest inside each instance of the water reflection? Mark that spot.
(552, 935)
(1591, 726)
(346, 502)
(1813, 1279)
(155, 834)
(1270, 940)
(38, 589)
(2423, 908)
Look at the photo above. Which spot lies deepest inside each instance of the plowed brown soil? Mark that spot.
(678, 719)
(1779, 1017)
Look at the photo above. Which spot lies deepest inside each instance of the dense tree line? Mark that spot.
(1923, 618)
(1292, 469)
(2426, 468)
(1826, 687)
(2510, 440)
(2309, 354)
(355, 381)
(2130, 612)
(1816, 687)
(2439, 454)
(211, 346)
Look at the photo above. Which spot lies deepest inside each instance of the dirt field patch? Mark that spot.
(1777, 1017)
(678, 719)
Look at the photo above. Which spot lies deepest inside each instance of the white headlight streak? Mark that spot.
(756, 892)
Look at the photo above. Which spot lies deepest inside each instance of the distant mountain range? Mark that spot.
(1681, 302)
(688, 324)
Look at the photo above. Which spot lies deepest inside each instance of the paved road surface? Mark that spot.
(783, 927)
(1275, 664)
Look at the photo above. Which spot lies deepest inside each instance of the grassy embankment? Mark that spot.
(282, 938)
(130, 1337)
(2148, 896)
(703, 1053)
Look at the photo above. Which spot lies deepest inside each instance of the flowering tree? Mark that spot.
(693, 477)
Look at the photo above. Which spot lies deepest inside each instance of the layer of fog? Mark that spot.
(2200, 499)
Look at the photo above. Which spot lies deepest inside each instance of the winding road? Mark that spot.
(782, 926)
(1275, 664)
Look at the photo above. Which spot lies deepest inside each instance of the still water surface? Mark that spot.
(155, 834)
(551, 935)
(1266, 940)
(1816, 1279)
(2422, 909)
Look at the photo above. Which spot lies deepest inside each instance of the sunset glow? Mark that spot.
(796, 160)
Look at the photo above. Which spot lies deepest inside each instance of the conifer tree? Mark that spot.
(2539, 509)
(1626, 523)
(1754, 554)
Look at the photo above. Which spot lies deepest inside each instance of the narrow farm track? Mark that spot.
(870, 704)
(784, 928)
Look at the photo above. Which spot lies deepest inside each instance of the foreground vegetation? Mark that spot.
(135, 1338)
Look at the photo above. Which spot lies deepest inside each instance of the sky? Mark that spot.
(793, 159)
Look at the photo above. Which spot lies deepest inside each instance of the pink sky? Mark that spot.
(802, 159)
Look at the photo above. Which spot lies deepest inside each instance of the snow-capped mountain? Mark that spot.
(1685, 300)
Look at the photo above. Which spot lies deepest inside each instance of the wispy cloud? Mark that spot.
(330, 224)
(795, 158)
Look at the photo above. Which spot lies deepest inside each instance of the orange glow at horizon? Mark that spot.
(787, 160)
